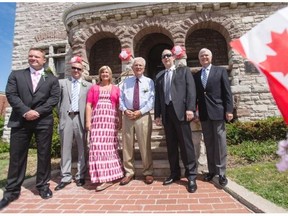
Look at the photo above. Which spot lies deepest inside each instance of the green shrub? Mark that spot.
(4, 147)
(271, 128)
(56, 147)
(1, 125)
(253, 152)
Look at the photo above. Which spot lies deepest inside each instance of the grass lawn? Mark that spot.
(264, 179)
(31, 165)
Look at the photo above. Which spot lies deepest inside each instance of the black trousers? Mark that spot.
(19, 145)
(178, 134)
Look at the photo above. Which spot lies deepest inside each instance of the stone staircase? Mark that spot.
(159, 154)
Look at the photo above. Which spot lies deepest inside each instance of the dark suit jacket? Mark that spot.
(19, 93)
(183, 93)
(216, 99)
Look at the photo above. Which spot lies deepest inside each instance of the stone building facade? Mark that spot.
(99, 31)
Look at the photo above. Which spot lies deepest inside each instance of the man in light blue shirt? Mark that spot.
(136, 101)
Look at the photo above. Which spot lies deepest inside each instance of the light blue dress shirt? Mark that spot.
(146, 94)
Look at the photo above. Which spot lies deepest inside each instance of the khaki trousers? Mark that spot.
(142, 127)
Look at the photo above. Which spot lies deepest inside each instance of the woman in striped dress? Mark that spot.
(103, 120)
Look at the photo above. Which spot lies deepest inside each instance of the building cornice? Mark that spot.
(87, 13)
(81, 10)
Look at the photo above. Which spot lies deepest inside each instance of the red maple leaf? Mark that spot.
(278, 62)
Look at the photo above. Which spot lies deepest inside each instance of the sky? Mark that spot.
(7, 17)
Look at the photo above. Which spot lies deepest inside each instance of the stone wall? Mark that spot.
(98, 31)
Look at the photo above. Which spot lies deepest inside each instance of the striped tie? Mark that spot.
(167, 86)
(74, 104)
(204, 77)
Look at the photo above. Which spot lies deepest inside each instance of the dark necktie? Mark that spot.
(167, 86)
(136, 102)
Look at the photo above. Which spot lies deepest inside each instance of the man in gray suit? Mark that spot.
(215, 104)
(175, 102)
(71, 110)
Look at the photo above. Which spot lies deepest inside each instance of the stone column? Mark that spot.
(6, 130)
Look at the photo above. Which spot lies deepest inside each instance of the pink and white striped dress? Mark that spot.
(104, 161)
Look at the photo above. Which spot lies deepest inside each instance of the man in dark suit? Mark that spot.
(175, 102)
(32, 94)
(71, 109)
(215, 105)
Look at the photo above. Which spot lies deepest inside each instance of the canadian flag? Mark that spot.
(266, 46)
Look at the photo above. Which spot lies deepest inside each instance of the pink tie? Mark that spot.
(35, 79)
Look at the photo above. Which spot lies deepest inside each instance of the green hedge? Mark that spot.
(1, 125)
(55, 149)
(273, 128)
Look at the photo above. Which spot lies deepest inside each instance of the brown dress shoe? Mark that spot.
(149, 179)
(126, 179)
(103, 186)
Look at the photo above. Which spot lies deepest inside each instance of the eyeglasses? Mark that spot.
(76, 68)
(166, 56)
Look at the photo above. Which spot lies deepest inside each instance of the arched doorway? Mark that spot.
(105, 52)
(150, 47)
(154, 59)
(210, 39)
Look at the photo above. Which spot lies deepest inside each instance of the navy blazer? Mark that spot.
(183, 93)
(216, 99)
(20, 95)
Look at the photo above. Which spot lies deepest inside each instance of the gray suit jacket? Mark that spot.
(183, 93)
(65, 101)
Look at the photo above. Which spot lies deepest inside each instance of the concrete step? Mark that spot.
(156, 140)
(162, 169)
(159, 153)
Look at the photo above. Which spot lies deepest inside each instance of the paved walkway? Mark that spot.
(136, 197)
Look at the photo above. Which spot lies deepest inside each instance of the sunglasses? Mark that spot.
(166, 56)
(76, 68)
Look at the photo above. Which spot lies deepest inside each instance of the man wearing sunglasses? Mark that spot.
(175, 102)
(71, 109)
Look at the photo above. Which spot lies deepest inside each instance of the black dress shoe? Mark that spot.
(208, 177)
(170, 180)
(80, 182)
(45, 193)
(223, 181)
(4, 202)
(192, 186)
(61, 185)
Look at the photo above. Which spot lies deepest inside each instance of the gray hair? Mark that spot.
(140, 59)
(205, 50)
